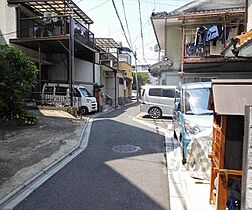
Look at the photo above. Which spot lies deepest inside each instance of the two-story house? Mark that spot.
(193, 36)
(53, 34)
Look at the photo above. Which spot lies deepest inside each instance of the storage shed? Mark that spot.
(229, 98)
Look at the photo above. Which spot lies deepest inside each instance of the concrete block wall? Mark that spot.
(247, 161)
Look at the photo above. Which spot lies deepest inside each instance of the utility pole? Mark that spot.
(137, 89)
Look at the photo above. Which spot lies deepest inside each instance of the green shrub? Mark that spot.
(17, 78)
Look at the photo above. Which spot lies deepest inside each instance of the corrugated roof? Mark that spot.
(60, 7)
(106, 43)
(231, 96)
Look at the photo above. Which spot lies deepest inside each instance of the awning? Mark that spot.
(60, 7)
(106, 43)
(231, 96)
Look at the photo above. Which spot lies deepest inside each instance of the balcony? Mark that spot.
(49, 27)
(55, 27)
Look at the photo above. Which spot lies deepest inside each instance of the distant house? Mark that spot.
(193, 36)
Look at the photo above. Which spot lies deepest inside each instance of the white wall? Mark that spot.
(83, 71)
(97, 74)
(174, 43)
(8, 23)
(120, 87)
(249, 27)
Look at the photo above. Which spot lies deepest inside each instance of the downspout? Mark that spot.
(246, 17)
(183, 50)
(39, 50)
(93, 73)
(225, 30)
(71, 58)
(165, 38)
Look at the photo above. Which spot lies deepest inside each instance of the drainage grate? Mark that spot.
(126, 148)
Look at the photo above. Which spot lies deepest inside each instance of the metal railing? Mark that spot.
(55, 26)
(48, 99)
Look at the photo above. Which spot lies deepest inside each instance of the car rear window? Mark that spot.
(155, 92)
(170, 93)
(48, 90)
(61, 91)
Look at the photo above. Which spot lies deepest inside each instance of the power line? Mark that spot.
(97, 5)
(121, 24)
(127, 24)
(141, 27)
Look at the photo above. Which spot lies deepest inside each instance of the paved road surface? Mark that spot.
(101, 177)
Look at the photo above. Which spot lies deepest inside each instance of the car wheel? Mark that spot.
(155, 113)
(175, 135)
(83, 110)
(183, 155)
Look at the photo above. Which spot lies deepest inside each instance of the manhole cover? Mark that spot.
(126, 148)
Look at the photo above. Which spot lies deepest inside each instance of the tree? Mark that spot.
(143, 78)
(17, 78)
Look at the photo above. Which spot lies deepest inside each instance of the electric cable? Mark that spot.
(97, 6)
(141, 28)
(127, 25)
(121, 24)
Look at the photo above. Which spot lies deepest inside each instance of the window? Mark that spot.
(62, 91)
(76, 93)
(155, 92)
(170, 93)
(121, 81)
(48, 90)
(85, 92)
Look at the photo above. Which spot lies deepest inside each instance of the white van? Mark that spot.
(59, 95)
(157, 100)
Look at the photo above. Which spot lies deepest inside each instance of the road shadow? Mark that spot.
(101, 178)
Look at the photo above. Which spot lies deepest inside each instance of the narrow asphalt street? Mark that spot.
(123, 167)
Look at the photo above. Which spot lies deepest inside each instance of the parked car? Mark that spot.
(191, 113)
(134, 95)
(157, 100)
(59, 95)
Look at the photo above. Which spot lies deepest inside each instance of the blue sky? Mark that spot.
(107, 25)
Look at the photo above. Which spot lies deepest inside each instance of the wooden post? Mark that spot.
(222, 190)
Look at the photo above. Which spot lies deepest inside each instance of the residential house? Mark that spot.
(112, 78)
(127, 70)
(193, 36)
(55, 35)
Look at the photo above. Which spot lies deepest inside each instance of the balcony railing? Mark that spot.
(55, 26)
(200, 50)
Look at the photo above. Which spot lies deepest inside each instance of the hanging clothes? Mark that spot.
(212, 33)
(200, 35)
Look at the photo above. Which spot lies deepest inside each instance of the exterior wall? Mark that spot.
(128, 76)
(120, 86)
(127, 68)
(249, 26)
(246, 197)
(169, 78)
(83, 73)
(59, 72)
(174, 44)
(8, 25)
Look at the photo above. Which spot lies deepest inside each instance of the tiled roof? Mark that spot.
(201, 12)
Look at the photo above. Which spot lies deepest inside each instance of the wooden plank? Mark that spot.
(223, 141)
(221, 193)
(228, 172)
